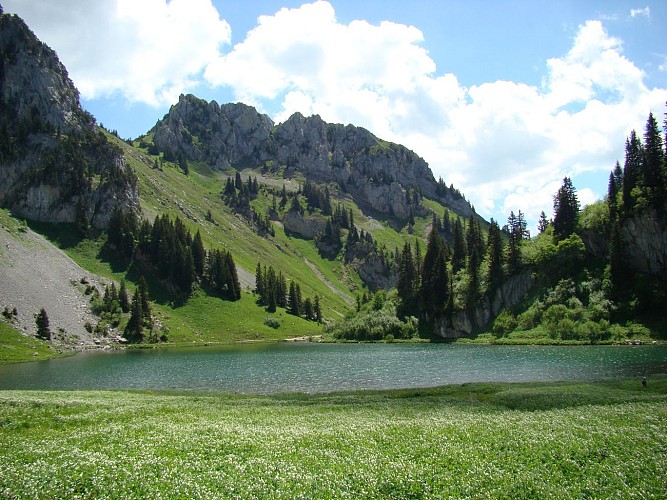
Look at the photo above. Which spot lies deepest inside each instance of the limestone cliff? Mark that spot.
(463, 323)
(644, 238)
(379, 175)
(55, 164)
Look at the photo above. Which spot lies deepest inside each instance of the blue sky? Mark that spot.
(502, 98)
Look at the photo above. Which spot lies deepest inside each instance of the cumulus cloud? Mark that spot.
(506, 145)
(148, 51)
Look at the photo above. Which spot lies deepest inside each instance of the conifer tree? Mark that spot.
(198, 254)
(434, 280)
(495, 257)
(458, 248)
(566, 210)
(123, 297)
(43, 325)
(542, 222)
(405, 286)
(631, 171)
(652, 172)
(317, 309)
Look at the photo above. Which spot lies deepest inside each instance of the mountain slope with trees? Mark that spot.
(222, 225)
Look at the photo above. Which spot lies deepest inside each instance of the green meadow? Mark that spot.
(565, 440)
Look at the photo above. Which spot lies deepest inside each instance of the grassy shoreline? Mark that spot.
(603, 439)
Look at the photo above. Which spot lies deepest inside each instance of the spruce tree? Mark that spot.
(407, 278)
(566, 210)
(495, 257)
(653, 163)
(317, 309)
(542, 222)
(43, 325)
(123, 297)
(459, 247)
(434, 279)
(198, 254)
(631, 171)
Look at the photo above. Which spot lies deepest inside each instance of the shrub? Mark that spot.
(272, 322)
(504, 323)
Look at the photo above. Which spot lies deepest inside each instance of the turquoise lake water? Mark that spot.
(312, 367)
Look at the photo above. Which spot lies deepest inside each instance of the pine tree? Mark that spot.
(123, 297)
(135, 325)
(631, 171)
(543, 222)
(259, 283)
(198, 254)
(144, 301)
(317, 309)
(308, 310)
(407, 278)
(514, 245)
(459, 248)
(495, 257)
(434, 279)
(566, 210)
(653, 163)
(43, 326)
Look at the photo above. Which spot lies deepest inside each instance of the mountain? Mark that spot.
(356, 223)
(55, 164)
(380, 176)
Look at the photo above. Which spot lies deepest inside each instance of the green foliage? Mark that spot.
(568, 440)
(374, 322)
(505, 322)
(43, 327)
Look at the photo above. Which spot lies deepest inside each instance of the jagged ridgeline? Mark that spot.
(380, 176)
(56, 165)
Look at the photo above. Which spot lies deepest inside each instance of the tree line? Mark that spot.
(168, 250)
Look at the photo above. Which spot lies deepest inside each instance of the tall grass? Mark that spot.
(482, 440)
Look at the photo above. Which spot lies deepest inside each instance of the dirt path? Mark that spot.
(328, 283)
(33, 275)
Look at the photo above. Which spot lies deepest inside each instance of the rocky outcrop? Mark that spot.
(379, 175)
(306, 227)
(463, 323)
(370, 266)
(55, 165)
(644, 239)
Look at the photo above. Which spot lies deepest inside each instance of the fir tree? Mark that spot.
(407, 278)
(566, 210)
(495, 257)
(543, 222)
(631, 171)
(317, 309)
(123, 297)
(198, 254)
(652, 171)
(43, 325)
(434, 279)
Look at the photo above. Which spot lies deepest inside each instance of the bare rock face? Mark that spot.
(644, 238)
(228, 135)
(379, 175)
(55, 164)
(307, 227)
(463, 323)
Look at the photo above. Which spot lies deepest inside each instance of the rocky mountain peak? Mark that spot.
(379, 175)
(55, 164)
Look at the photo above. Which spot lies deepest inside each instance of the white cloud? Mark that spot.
(646, 11)
(506, 145)
(148, 51)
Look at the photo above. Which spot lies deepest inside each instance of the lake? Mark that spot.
(313, 367)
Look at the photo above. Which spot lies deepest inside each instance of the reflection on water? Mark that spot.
(275, 368)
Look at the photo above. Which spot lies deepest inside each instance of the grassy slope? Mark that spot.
(208, 319)
(484, 440)
(15, 348)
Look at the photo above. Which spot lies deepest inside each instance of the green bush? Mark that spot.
(504, 323)
(272, 322)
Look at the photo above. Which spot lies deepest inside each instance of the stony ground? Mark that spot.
(34, 275)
